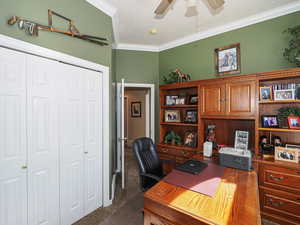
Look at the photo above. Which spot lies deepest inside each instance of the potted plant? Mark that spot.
(285, 112)
(173, 138)
(292, 52)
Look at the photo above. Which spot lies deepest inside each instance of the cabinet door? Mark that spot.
(240, 98)
(13, 145)
(213, 100)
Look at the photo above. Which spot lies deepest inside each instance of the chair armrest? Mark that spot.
(150, 176)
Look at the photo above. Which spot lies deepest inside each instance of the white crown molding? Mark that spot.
(111, 11)
(148, 48)
(268, 15)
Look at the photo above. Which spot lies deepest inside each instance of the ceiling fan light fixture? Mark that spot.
(191, 3)
(215, 4)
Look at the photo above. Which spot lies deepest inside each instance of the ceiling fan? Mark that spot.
(164, 5)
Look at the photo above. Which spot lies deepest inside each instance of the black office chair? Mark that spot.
(150, 166)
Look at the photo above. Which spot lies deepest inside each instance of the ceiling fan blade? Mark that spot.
(215, 4)
(164, 4)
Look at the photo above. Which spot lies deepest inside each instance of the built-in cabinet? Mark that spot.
(231, 104)
(228, 98)
(50, 141)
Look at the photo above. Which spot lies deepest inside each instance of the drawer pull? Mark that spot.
(276, 178)
(276, 204)
(298, 172)
(165, 150)
(297, 199)
(185, 153)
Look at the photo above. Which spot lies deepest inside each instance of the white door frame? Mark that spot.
(26, 47)
(149, 119)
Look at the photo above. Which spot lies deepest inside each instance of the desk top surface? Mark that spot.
(236, 201)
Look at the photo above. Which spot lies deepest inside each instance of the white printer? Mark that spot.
(235, 158)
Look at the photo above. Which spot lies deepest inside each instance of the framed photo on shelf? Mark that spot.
(171, 99)
(136, 110)
(191, 116)
(193, 99)
(228, 59)
(265, 93)
(287, 154)
(287, 94)
(241, 139)
(269, 121)
(190, 139)
(180, 101)
(294, 122)
(172, 116)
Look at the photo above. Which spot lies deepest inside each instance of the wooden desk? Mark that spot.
(236, 202)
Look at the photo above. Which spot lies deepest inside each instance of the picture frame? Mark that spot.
(191, 116)
(294, 122)
(172, 116)
(190, 139)
(180, 101)
(284, 95)
(228, 59)
(241, 139)
(193, 99)
(287, 154)
(265, 93)
(170, 99)
(136, 109)
(292, 146)
(269, 121)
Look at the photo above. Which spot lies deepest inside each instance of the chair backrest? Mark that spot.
(148, 160)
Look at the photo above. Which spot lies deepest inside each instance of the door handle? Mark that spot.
(123, 139)
(24, 167)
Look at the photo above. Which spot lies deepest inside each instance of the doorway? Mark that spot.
(135, 113)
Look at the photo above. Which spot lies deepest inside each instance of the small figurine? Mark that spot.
(277, 141)
(182, 77)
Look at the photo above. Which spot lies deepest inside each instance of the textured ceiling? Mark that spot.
(136, 18)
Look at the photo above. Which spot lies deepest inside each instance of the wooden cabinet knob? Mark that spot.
(164, 150)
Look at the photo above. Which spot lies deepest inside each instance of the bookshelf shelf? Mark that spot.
(279, 102)
(180, 124)
(278, 129)
(180, 106)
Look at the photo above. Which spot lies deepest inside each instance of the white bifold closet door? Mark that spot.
(79, 131)
(13, 138)
(43, 94)
(50, 141)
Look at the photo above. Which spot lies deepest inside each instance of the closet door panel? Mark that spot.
(43, 154)
(13, 172)
(93, 137)
(71, 133)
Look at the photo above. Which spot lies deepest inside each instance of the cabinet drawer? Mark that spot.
(176, 152)
(280, 203)
(282, 178)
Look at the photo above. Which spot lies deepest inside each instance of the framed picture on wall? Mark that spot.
(228, 59)
(136, 109)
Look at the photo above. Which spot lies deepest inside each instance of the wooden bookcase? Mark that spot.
(233, 103)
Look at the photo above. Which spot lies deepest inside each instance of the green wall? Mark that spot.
(139, 67)
(136, 66)
(262, 46)
(88, 20)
